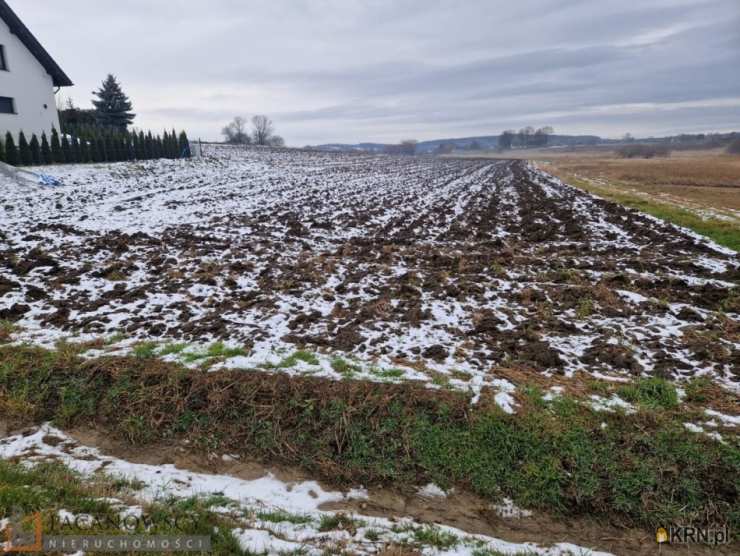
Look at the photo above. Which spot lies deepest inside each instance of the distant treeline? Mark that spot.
(92, 144)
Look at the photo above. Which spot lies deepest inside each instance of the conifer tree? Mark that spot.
(123, 146)
(76, 150)
(110, 149)
(175, 145)
(45, 150)
(149, 146)
(11, 152)
(56, 147)
(184, 145)
(135, 146)
(85, 156)
(2, 152)
(95, 154)
(66, 150)
(130, 150)
(112, 106)
(142, 146)
(35, 150)
(24, 151)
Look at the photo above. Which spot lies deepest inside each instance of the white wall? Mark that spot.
(30, 86)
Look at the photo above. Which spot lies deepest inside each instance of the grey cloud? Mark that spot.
(343, 70)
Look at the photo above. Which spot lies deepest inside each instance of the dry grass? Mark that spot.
(694, 179)
(691, 179)
(696, 189)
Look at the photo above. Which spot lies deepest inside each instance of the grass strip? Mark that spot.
(643, 469)
(722, 232)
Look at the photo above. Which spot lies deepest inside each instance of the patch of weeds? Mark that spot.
(698, 389)
(440, 379)
(281, 516)
(436, 537)
(731, 304)
(115, 276)
(136, 429)
(115, 338)
(124, 484)
(387, 373)
(498, 270)
(650, 392)
(66, 350)
(300, 355)
(372, 535)
(534, 395)
(145, 350)
(343, 367)
(217, 349)
(74, 404)
(172, 349)
(341, 521)
(7, 328)
(601, 387)
(461, 375)
(585, 308)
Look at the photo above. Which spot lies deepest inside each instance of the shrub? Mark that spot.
(35, 147)
(643, 151)
(734, 146)
(45, 150)
(24, 151)
(11, 151)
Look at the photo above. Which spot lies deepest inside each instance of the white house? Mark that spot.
(29, 78)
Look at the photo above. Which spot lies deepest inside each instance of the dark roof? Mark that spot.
(17, 27)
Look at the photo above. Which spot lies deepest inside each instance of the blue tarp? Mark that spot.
(46, 179)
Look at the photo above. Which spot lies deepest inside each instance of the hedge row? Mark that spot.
(93, 145)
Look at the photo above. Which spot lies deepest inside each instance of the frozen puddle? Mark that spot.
(369, 535)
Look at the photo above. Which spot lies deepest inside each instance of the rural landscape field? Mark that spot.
(387, 278)
(353, 353)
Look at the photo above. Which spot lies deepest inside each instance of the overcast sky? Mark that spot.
(385, 70)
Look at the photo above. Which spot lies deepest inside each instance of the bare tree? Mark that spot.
(407, 147)
(277, 141)
(542, 136)
(506, 139)
(263, 130)
(734, 146)
(444, 148)
(236, 132)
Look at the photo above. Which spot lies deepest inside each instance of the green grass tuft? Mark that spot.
(387, 373)
(436, 537)
(650, 392)
(343, 367)
(215, 350)
(145, 350)
(300, 355)
(281, 516)
(172, 349)
(7, 328)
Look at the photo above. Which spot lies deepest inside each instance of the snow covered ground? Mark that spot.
(379, 268)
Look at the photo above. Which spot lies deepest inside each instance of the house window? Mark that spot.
(3, 63)
(7, 105)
